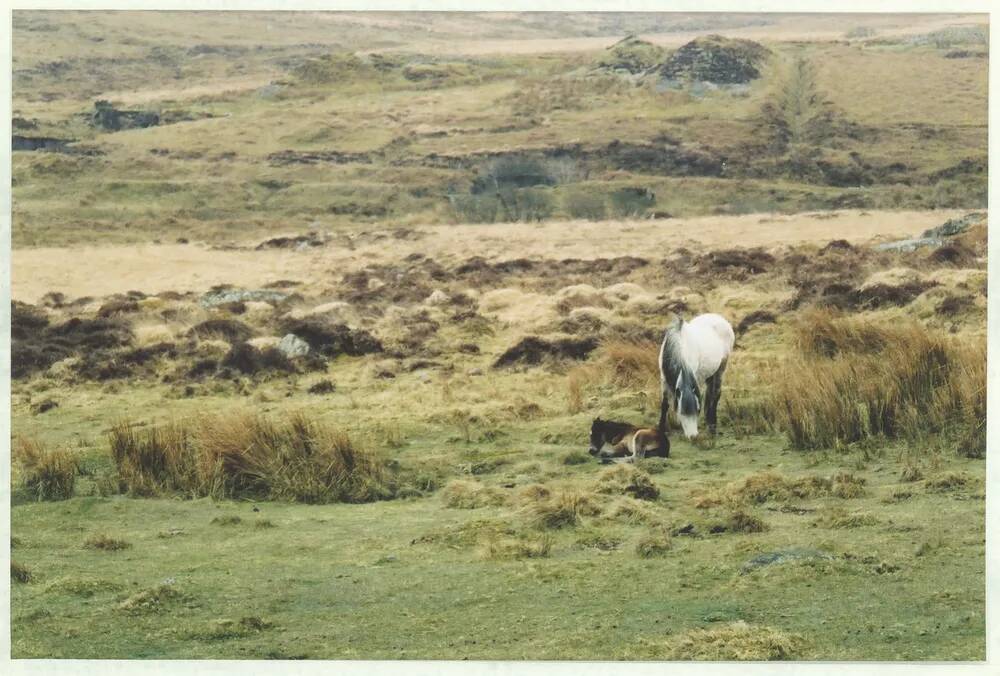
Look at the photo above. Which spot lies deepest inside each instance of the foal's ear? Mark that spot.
(597, 420)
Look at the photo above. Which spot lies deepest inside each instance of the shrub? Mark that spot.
(527, 204)
(631, 202)
(47, 474)
(475, 208)
(585, 204)
(509, 173)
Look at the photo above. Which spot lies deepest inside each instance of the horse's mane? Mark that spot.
(673, 366)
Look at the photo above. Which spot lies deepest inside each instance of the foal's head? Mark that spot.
(597, 435)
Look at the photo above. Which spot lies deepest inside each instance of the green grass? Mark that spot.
(314, 569)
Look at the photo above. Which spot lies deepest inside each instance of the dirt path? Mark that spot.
(102, 270)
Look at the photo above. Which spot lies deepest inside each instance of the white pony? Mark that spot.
(693, 356)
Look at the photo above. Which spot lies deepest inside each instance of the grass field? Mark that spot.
(414, 481)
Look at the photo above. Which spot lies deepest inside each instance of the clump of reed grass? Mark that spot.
(856, 380)
(45, 473)
(241, 455)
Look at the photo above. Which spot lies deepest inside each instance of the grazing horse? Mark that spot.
(693, 356)
(611, 439)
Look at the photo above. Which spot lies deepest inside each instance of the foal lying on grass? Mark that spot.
(611, 439)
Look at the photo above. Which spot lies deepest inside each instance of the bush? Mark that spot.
(528, 204)
(585, 204)
(475, 208)
(510, 173)
(631, 202)
(47, 474)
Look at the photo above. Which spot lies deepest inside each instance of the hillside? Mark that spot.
(228, 126)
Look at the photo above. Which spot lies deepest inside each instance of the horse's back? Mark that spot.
(715, 339)
(717, 325)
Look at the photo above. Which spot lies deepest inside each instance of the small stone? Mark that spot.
(438, 297)
(292, 346)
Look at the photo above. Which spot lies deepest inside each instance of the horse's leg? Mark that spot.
(714, 393)
(665, 404)
(638, 449)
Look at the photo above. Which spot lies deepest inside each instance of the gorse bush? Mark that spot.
(46, 474)
(246, 455)
(856, 380)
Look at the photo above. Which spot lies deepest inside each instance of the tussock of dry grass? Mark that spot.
(47, 474)
(20, 573)
(535, 547)
(562, 510)
(621, 364)
(627, 480)
(221, 630)
(653, 544)
(857, 380)
(464, 494)
(744, 522)
(766, 486)
(81, 586)
(106, 543)
(840, 518)
(950, 481)
(632, 512)
(735, 641)
(152, 600)
(246, 455)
